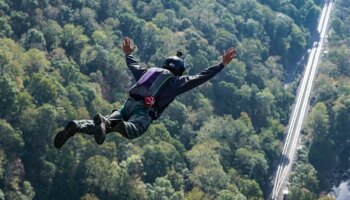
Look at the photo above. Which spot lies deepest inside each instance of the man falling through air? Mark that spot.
(154, 90)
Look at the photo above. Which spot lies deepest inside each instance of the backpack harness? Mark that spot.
(151, 83)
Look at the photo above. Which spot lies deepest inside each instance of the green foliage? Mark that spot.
(7, 95)
(207, 172)
(10, 140)
(73, 39)
(52, 32)
(250, 189)
(34, 39)
(162, 189)
(250, 163)
(228, 195)
(60, 60)
(43, 89)
(299, 194)
(11, 60)
(318, 122)
(5, 27)
(36, 61)
(158, 160)
(104, 176)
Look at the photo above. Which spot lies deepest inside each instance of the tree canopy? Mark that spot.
(61, 60)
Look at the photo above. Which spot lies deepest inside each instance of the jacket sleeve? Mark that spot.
(136, 70)
(184, 83)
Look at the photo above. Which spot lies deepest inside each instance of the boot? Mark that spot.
(103, 126)
(69, 131)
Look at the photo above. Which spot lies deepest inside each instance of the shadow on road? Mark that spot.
(285, 160)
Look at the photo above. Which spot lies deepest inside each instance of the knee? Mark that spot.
(135, 129)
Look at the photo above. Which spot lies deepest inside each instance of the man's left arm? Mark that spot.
(185, 83)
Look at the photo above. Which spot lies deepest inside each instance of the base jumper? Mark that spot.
(154, 90)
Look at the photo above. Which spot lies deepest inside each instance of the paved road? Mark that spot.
(300, 108)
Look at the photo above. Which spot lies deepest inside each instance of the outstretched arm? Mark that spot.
(133, 65)
(186, 83)
(228, 56)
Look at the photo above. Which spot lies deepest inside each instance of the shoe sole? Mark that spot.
(100, 133)
(62, 136)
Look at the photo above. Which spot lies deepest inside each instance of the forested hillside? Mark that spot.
(327, 149)
(61, 60)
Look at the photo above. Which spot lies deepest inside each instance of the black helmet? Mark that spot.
(175, 64)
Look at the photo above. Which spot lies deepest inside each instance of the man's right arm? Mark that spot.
(136, 70)
(133, 65)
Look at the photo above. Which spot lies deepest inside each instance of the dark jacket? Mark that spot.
(177, 85)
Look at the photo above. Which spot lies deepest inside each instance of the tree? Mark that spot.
(161, 190)
(318, 122)
(250, 189)
(107, 9)
(52, 32)
(225, 40)
(24, 192)
(283, 29)
(131, 25)
(10, 139)
(43, 89)
(274, 4)
(228, 195)
(251, 163)
(196, 193)
(174, 117)
(11, 60)
(26, 112)
(209, 178)
(265, 106)
(207, 172)
(19, 22)
(87, 18)
(39, 137)
(73, 39)
(8, 94)
(36, 61)
(89, 196)
(339, 56)
(300, 194)
(309, 13)
(103, 39)
(305, 176)
(134, 165)
(5, 27)
(298, 42)
(35, 39)
(93, 58)
(104, 176)
(270, 143)
(158, 160)
(149, 40)
(69, 71)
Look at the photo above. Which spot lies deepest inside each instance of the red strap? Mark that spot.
(149, 101)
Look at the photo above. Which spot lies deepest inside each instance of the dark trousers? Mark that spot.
(131, 121)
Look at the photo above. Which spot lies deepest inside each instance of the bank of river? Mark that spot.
(342, 192)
